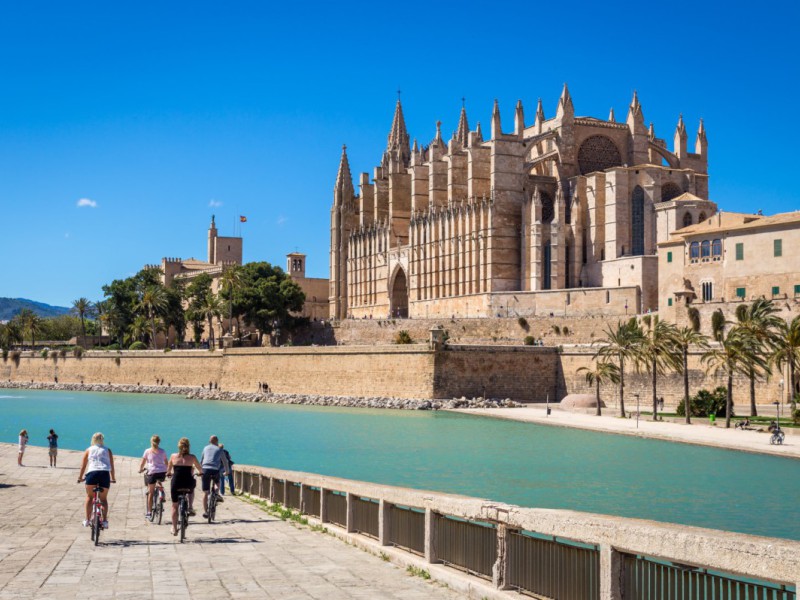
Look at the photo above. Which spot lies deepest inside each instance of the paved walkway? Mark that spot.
(698, 433)
(45, 553)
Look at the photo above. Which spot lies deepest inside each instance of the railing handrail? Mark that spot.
(770, 559)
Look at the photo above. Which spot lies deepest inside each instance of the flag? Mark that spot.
(242, 219)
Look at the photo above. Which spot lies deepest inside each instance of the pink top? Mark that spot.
(156, 461)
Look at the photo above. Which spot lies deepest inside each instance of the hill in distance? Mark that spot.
(9, 307)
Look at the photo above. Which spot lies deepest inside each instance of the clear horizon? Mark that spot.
(124, 127)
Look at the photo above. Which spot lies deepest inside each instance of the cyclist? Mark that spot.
(214, 464)
(155, 459)
(180, 465)
(98, 466)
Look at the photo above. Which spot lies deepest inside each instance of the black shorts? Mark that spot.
(181, 485)
(151, 479)
(101, 478)
(208, 476)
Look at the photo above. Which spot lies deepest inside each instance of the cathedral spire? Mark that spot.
(478, 132)
(519, 119)
(680, 139)
(611, 116)
(565, 106)
(651, 132)
(635, 114)
(462, 133)
(343, 190)
(398, 136)
(701, 143)
(497, 130)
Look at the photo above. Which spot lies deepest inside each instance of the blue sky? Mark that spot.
(164, 113)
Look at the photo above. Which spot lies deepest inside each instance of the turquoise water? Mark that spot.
(520, 463)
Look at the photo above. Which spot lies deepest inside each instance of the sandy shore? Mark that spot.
(700, 432)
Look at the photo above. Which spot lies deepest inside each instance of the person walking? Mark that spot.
(230, 473)
(180, 469)
(98, 467)
(154, 460)
(214, 464)
(23, 441)
(52, 443)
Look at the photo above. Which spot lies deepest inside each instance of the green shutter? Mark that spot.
(740, 251)
(740, 292)
(777, 247)
(669, 256)
(776, 290)
(669, 300)
(796, 290)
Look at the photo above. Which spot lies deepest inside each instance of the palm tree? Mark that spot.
(231, 280)
(31, 322)
(209, 309)
(760, 320)
(138, 328)
(621, 344)
(83, 308)
(603, 372)
(152, 303)
(787, 350)
(684, 338)
(735, 354)
(659, 353)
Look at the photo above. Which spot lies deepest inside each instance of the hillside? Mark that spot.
(11, 306)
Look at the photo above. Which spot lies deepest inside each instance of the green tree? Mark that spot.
(174, 314)
(602, 373)
(761, 322)
(210, 308)
(786, 352)
(83, 308)
(621, 345)
(31, 322)
(268, 297)
(659, 353)
(231, 284)
(734, 355)
(152, 304)
(196, 293)
(686, 337)
(138, 329)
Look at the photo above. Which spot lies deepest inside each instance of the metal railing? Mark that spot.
(407, 528)
(552, 569)
(647, 579)
(365, 516)
(467, 545)
(564, 555)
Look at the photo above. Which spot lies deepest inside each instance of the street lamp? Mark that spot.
(637, 410)
(778, 403)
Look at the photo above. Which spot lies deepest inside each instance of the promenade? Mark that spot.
(45, 553)
(700, 432)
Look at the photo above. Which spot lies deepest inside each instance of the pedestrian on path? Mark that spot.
(23, 441)
(52, 443)
(230, 473)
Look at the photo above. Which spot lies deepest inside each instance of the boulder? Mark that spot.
(579, 402)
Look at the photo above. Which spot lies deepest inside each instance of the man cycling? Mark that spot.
(214, 464)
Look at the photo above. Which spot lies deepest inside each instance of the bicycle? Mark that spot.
(777, 437)
(157, 506)
(212, 501)
(96, 522)
(183, 511)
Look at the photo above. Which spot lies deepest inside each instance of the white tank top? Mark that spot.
(99, 459)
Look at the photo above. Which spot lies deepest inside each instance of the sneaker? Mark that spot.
(220, 499)
(105, 524)
(85, 523)
(205, 515)
(147, 515)
(192, 512)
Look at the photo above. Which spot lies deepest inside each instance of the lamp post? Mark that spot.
(637, 410)
(778, 403)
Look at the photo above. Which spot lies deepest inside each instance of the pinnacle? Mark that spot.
(539, 111)
(462, 133)
(611, 116)
(398, 136)
(343, 177)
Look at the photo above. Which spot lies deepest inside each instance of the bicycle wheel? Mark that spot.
(212, 505)
(97, 525)
(160, 509)
(184, 516)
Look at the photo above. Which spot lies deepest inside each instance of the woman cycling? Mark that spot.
(155, 459)
(180, 469)
(98, 466)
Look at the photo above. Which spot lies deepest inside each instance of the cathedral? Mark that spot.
(559, 216)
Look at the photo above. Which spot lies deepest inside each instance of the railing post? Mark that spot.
(351, 526)
(285, 493)
(430, 536)
(501, 564)
(384, 522)
(302, 502)
(271, 490)
(611, 566)
(261, 486)
(323, 506)
(237, 478)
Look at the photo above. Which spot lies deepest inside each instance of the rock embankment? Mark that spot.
(270, 398)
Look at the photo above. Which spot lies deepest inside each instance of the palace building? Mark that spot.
(562, 215)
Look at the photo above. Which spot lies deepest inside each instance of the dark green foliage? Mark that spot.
(717, 324)
(523, 322)
(694, 317)
(529, 340)
(268, 295)
(403, 337)
(706, 403)
(556, 329)
(137, 345)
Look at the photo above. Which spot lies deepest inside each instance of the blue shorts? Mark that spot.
(101, 478)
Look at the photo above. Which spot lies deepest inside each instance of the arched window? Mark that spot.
(705, 249)
(669, 191)
(637, 221)
(598, 153)
(694, 250)
(701, 218)
(716, 248)
(687, 219)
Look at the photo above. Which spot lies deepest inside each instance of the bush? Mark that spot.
(137, 345)
(5, 354)
(523, 322)
(694, 317)
(62, 353)
(796, 416)
(403, 337)
(529, 340)
(167, 350)
(113, 346)
(565, 330)
(717, 324)
(43, 353)
(556, 329)
(77, 351)
(706, 403)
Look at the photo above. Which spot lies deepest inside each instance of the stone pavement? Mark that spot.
(700, 432)
(45, 553)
